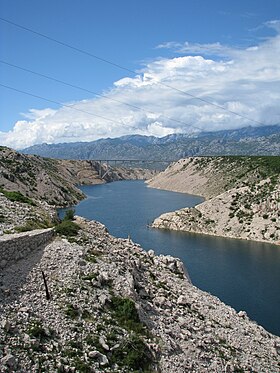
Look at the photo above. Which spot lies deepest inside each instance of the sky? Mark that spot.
(96, 69)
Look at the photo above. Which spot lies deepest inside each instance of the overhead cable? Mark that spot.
(98, 94)
(61, 104)
(125, 69)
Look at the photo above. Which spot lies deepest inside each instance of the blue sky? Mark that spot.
(206, 48)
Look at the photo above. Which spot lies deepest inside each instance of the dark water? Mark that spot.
(243, 274)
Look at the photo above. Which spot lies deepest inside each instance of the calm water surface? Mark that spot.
(244, 274)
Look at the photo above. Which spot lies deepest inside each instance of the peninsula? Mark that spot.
(242, 196)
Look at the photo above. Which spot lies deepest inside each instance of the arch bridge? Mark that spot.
(157, 164)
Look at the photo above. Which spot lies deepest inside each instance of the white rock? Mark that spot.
(103, 343)
(93, 354)
(182, 300)
(5, 324)
(160, 301)
(101, 358)
(242, 314)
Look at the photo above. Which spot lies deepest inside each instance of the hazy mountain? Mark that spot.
(244, 141)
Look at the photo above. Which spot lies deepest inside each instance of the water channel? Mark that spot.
(243, 274)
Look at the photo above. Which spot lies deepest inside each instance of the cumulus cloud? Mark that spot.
(245, 81)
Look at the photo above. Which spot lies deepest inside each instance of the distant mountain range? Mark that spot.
(244, 141)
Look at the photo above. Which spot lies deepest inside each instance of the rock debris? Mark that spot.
(117, 308)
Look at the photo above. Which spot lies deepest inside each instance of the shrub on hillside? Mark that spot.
(69, 215)
(67, 228)
(16, 197)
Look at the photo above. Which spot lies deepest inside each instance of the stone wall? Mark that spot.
(17, 246)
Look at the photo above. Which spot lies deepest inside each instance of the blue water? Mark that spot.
(243, 274)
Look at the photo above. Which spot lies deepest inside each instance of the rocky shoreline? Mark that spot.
(242, 199)
(169, 324)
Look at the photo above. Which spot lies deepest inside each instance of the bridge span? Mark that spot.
(132, 163)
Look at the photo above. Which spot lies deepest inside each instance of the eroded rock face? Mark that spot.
(110, 298)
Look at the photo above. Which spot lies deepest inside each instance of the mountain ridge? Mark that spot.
(243, 141)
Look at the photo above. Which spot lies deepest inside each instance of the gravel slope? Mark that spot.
(178, 328)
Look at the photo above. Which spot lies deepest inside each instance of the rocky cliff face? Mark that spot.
(21, 216)
(116, 308)
(243, 197)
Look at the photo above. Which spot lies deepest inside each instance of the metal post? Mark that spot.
(46, 287)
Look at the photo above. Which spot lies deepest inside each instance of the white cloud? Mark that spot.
(211, 49)
(274, 24)
(247, 81)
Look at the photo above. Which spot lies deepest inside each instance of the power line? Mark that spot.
(59, 103)
(126, 69)
(68, 84)
(67, 45)
(97, 94)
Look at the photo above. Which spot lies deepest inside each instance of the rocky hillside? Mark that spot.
(263, 140)
(114, 307)
(243, 196)
(32, 187)
(52, 180)
(24, 215)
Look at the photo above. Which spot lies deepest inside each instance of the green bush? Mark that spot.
(67, 228)
(71, 311)
(17, 197)
(124, 311)
(133, 354)
(37, 330)
(69, 215)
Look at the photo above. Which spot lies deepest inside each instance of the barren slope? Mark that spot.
(117, 308)
(243, 197)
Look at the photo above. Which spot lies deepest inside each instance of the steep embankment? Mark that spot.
(32, 187)
(117, 308)
(243, 196)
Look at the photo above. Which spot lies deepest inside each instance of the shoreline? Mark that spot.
(175, 191)
(216, 235)
(233, 207)
(157, 224)
(277, 243)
